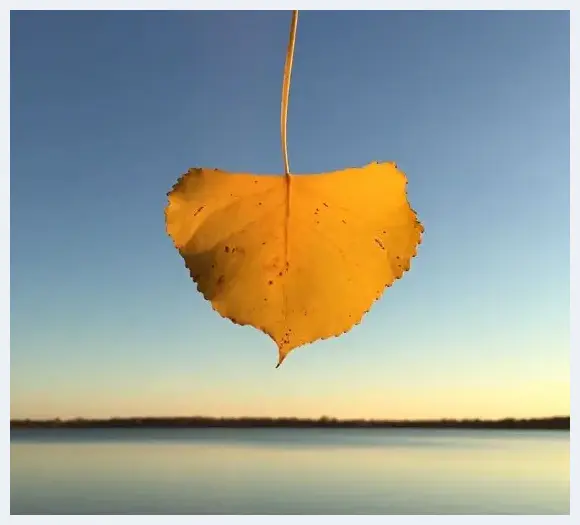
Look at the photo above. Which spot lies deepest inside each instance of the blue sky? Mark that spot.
(108, 109)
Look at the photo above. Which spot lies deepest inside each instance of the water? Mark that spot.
(289, 471)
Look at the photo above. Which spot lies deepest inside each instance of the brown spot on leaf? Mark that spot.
(381, 245)
(325, 204)
(198, 210)
(270, 283)
(227, 249)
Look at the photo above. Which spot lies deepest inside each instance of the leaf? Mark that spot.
(302, 257)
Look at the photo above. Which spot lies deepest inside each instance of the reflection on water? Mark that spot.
(284, 471)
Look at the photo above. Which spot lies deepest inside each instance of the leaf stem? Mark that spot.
(286, 91)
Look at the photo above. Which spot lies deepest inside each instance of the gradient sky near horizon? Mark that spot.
(109, 108)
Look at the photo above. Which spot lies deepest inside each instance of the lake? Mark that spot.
(289, 471)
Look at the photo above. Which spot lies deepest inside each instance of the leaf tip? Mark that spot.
(281, 356)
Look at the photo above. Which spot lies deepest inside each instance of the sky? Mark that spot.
(108, 109)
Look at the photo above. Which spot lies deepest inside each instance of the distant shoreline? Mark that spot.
(549, 423)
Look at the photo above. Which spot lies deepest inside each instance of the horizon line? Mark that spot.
(293, 418)
(544, 423)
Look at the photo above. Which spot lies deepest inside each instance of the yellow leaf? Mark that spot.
(301, 257)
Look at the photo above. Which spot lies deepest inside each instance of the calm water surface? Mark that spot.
(287, 471)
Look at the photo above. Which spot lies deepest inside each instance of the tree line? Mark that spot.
(549, 423)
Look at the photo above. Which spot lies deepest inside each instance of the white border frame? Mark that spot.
(273, 5)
